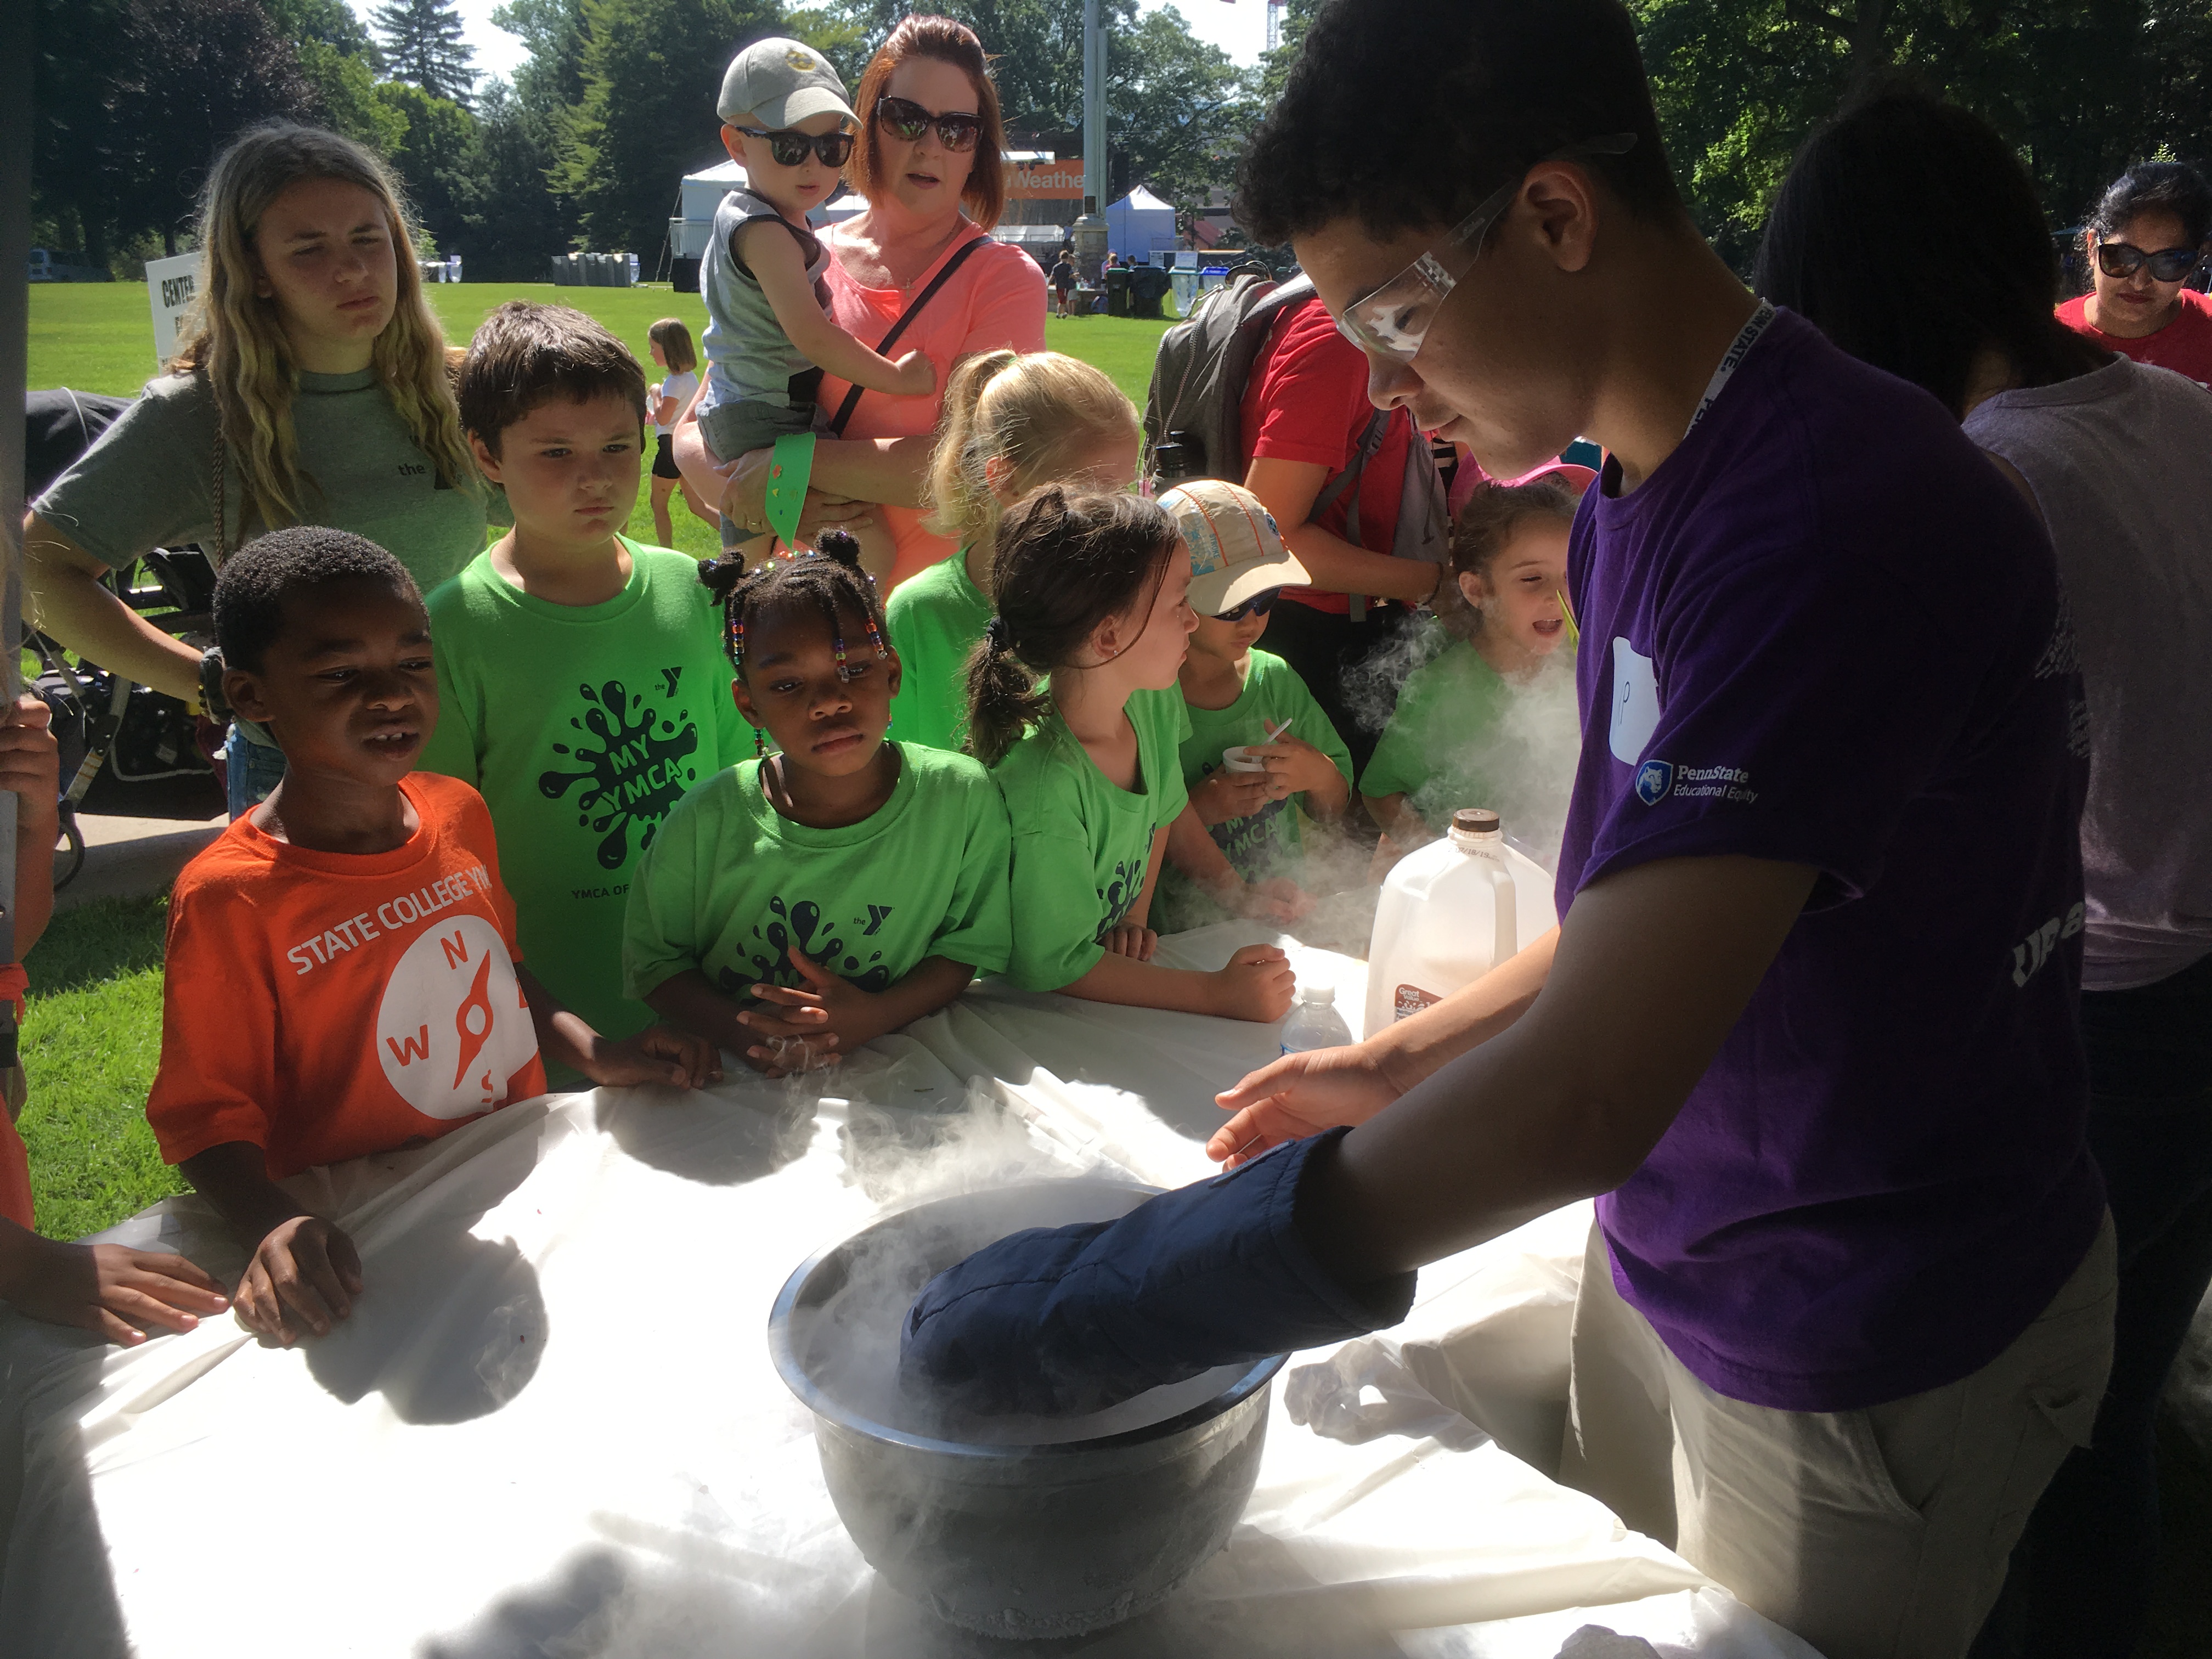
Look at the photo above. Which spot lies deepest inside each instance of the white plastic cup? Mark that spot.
(1240, 758)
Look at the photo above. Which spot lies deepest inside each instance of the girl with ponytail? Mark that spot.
(810, 899)
(1092, 595)
(1012, 421)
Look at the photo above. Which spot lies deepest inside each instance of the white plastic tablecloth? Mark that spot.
(552, 1426)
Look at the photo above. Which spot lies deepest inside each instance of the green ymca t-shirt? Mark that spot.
(1082, 845)
(1453, 741)
(582, 726)
(1267, 843)
(935, 619)
(731, 885)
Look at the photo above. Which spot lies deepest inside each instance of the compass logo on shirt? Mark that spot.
(638, 761)
(452, 1029)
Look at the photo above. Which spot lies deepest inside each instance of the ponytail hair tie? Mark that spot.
(997, 636)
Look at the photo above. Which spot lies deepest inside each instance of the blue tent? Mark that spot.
(1139, 223)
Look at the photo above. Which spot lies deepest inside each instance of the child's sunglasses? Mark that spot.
(790, 146)
(1258, 605)
(2169, 265)
(907, 121)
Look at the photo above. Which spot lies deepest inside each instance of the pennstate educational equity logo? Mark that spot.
(1653, 779)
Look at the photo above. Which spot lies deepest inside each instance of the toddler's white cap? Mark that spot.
(780, 83)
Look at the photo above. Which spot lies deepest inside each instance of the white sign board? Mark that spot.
(171, 287)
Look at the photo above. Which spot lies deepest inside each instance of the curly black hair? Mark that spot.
(1404, 114)
(829, 576)
(255, 581)
(2156, 187)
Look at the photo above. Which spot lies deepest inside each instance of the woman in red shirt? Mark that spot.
(2145, 240)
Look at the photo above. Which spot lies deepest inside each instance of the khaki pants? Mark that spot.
(1880, 1534)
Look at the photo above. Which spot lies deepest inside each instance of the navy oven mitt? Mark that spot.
(1060, 1321)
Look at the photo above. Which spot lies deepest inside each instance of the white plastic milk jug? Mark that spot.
(1449, 913)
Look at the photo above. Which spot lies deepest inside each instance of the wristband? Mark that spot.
(791, 464)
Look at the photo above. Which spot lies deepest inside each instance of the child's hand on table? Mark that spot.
(1223, 796)
(105, 1288)
(829, 1014)
(1257, 984)
(1129, 940)
(661, 1054)
(302, 1280)
(1295, 766)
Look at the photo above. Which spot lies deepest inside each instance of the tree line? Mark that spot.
(614, 102)
(583, 147)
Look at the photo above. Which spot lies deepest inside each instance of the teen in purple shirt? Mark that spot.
(1833, 638)
(1807, 1020)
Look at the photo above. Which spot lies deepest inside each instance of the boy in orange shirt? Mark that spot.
(342, 978)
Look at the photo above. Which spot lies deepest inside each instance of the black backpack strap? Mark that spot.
(1370, 439)
(853, 395)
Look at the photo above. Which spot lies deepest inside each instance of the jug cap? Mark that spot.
(1476, 821)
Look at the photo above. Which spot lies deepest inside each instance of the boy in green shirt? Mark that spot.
(580, 674)
(1235, 697)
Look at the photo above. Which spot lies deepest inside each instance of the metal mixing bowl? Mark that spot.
(1044, 1541)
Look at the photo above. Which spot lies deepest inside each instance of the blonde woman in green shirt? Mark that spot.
(799, 904)
(1012, 421)
(310, 386)
(1093, 594)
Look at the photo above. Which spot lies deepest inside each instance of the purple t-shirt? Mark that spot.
(1826, 631)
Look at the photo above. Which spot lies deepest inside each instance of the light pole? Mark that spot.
(1091, 230)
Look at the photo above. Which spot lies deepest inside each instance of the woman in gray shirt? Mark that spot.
(2111, 453)
(310, 386)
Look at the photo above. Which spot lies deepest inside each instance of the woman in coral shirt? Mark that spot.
(928, 162)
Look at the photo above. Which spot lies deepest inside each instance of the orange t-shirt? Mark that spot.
(327, 1006)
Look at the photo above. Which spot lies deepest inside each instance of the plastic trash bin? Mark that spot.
(1211, 277)
(1117, 291)
(1184, 287)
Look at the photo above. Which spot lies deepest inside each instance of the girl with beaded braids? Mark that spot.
(1093, 594)
(816, 896)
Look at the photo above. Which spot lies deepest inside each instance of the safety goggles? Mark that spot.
(791, 146)
(1393, 320)
(1258, 605)
(907, 121)
(2169, 265)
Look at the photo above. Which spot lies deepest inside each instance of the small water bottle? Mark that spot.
(1315, 1023)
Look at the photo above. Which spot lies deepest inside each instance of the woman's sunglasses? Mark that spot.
(907, 121)
(2169, 265)
(790, 146)
(1258, 605)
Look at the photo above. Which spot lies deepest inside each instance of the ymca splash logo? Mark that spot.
(1653, 778)
(452, 1028)
(640, 761)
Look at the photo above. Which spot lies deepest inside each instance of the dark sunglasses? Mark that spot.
(790, 146)
(2169, 265)
(1258, 605)
(907, 121)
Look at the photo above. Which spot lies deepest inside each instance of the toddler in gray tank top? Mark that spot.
(770, 336)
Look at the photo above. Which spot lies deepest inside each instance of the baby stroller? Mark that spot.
(127, 750)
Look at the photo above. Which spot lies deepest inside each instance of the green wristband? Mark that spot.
(790, 465)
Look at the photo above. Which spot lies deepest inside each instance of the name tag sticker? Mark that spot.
(1635, 702)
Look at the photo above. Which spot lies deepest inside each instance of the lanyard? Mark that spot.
(1732, 360)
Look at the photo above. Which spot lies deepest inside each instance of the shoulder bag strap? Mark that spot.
(853, 394)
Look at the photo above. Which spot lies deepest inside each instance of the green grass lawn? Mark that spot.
(93, 1025)
(99, 337)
